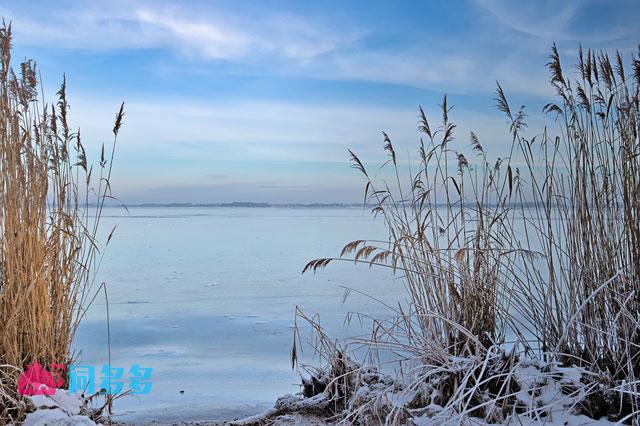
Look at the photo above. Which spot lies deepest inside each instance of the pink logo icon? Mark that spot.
(36, 380)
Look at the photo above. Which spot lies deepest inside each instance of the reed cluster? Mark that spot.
(50, 207)
(534, 255)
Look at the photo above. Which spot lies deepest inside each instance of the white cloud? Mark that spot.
(280, 42)
(230, 37)
(508, 44)
(211, 40)
(208, 34)
(277, 42)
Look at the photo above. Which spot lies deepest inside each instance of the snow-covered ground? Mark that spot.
(59, 409)
(547, 394)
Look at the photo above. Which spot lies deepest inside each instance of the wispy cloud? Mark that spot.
(552, 20)
(502, 42)
(212, 40)
(281, 42)
(422, 69)
(208, 34)
(191, 130)
(232, 37)
(547, 19)
(246, 129)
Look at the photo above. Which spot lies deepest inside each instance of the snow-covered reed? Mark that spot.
(532, 258)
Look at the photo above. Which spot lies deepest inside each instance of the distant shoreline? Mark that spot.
(240, 204)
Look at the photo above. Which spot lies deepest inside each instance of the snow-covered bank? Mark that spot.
(539, 393)
(62, 408)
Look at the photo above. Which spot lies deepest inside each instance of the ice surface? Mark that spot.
(226, 346)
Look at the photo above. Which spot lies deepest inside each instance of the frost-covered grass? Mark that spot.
(523, 273)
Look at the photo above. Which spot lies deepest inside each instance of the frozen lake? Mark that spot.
(206, 297)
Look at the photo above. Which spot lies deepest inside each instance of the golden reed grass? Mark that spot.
(49, 216)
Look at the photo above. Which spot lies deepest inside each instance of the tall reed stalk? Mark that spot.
(49, 249)
(584, 187)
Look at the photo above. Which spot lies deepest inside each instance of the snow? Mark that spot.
(55, 417)
(291, 410)
(560, 419)
(549, 394)
(69, 403)
(543, 390)
(62, 408)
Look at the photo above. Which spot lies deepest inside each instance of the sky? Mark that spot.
(259, 100)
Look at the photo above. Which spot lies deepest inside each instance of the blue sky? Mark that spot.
(238, 100)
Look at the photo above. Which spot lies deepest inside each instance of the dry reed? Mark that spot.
(49, 216)
(535, 254)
